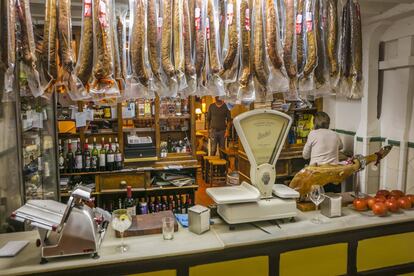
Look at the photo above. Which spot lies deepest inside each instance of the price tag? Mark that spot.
(87, 11)
(89, 114)
(309, 22)
(37, 119)
(230, 14)
(80, 118)
(208, 29)
(299, 23)
(197, 18)
(247, 20)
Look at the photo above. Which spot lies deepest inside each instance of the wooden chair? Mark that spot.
(217, 172)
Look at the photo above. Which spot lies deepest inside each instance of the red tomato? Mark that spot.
(360, 204)
(392, 205)
(379, 209)
(371, 201)
(394, 197)
(397, 193)
(404, 202)
(380, 198)
(383, 192)
(411, 197)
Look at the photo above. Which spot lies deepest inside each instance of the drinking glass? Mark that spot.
(317, 195)
(168, 228)
(121, 221)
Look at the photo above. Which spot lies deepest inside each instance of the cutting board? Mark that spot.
(148, 224)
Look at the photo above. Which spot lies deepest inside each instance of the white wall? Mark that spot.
(397, 119)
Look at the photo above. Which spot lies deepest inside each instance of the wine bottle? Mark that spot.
(95, 156)
(61, 158)
(102, 157)
(183, 204)
(110, 157)
(118, 157)
(70, 159)
(87, 157)
(78, 157)
(169, 144)
(129, 203)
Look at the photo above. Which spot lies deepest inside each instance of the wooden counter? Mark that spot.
(354, 244)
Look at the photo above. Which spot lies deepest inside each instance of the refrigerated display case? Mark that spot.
(36, 135)
(27, 152)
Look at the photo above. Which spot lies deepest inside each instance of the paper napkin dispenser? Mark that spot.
(198, 219)
(332, 205)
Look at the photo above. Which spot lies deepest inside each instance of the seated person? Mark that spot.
(323, 145)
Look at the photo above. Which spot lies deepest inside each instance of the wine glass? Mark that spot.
(121, 221)
(317, 195)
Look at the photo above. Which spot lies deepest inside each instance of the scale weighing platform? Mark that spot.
(262, 134)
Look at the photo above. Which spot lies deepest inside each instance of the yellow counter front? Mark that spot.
(354, 244)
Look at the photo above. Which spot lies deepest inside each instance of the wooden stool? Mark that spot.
(217, 172)
(205, 164)
(200, 155)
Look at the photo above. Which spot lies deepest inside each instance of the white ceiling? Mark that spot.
(368, 8)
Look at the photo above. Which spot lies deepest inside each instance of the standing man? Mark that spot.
(218, 124)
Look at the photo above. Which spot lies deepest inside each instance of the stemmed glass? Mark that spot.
(317, 195)
(121, 221)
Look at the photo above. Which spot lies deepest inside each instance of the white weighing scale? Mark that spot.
(262, 134)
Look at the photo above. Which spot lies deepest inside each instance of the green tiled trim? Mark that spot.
(346, 132)
(394, 143)
(411, 145)
(360, 139)
(377, 139)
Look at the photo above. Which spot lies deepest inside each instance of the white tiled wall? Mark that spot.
(392, 164)
(410, 172)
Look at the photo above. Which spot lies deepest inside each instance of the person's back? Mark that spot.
(322, 147)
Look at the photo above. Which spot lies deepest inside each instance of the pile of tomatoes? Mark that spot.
(385, 201)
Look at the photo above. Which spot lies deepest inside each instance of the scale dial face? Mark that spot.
(265, 134)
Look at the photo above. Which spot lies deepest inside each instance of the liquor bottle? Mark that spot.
(169, 144)
(78, 157)
(141, 108)
(70, 159)
(110, 157)
(178, 107)
(143, 207)
(147, 108)
(118, 157)
(152, 205)
(171, 205)
(102, 157)
(129, 203)
(188, 204)
(87, 157)
(153, 108)
(184, 207)
(61, 158)
(164, 204)
(95, 156)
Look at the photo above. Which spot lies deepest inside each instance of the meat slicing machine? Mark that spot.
(262, 134)
(66, 229)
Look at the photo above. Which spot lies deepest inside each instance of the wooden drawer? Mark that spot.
(112, 181)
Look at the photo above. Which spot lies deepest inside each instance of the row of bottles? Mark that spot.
(175, 146)
(103, 157)
(147, 205)
(174, 107)
(141, 108)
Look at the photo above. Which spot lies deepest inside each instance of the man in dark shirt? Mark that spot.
(218, 124)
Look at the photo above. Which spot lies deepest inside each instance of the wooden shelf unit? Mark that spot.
(138, 171)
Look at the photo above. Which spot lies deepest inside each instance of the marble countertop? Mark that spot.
(185, 242)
